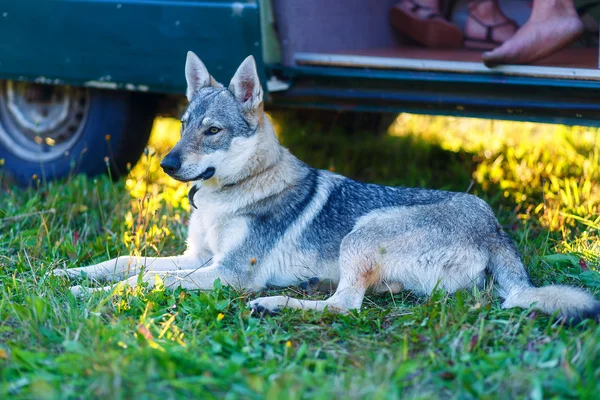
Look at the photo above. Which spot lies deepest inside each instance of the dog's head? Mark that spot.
(219, 128)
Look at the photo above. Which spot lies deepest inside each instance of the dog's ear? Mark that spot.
(245, 85)
(197, 76)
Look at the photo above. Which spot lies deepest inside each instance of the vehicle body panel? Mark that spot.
(572, 102)
(126, 44)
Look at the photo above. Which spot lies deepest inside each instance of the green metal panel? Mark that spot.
(125, 44)
(565, 101)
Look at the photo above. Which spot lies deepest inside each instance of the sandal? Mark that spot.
(431, 30)
(488, 42)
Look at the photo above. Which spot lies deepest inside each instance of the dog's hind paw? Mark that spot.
(310, 286)
(259, 311)
(268, 305)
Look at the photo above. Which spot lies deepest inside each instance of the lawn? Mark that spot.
(543, 181)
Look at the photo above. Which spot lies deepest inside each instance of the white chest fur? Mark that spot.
(214, 229)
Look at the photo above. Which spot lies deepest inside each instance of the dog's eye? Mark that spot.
(213, 130)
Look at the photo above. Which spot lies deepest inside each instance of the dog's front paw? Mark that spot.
(59, 272)
(268, 305)
(78, 290)
(66, 273)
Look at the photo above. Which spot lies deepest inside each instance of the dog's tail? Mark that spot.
(572, 304)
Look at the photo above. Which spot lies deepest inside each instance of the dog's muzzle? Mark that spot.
(207, 174)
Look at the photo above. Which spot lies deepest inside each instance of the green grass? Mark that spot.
(543, 182)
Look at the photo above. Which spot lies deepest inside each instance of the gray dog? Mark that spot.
(263, 218)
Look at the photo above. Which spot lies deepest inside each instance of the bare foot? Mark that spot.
(487, 26)
(553, 24)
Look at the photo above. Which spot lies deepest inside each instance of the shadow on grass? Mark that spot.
(383, 159)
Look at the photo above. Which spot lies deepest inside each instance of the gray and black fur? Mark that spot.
(263, 218)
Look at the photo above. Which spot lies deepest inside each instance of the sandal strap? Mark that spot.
(416, 6)
(489, 29)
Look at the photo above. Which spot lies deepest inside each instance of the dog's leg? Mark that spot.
(347, 297)
(126, 266)
(191, 279)
(359, 269)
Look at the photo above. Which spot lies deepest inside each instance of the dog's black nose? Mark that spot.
(171, 163)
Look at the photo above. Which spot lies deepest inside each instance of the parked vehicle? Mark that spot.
(83, 80)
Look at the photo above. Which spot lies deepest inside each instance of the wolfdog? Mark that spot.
(263, 218)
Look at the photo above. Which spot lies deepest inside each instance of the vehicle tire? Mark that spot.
(49, 132)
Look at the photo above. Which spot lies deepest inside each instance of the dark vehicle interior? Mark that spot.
(358, 33)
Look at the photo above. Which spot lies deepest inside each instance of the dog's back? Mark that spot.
(349, 200)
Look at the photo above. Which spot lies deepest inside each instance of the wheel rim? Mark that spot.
(41, 122)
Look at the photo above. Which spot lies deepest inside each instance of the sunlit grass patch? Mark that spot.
(147, 180)
(550, 171)
(156, 199)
